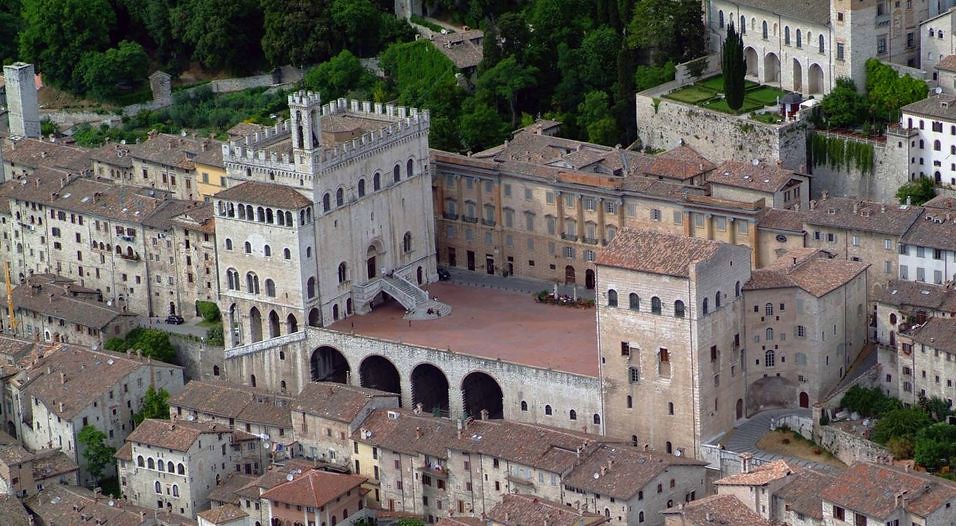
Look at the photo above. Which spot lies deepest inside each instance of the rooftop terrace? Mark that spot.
(494, 324)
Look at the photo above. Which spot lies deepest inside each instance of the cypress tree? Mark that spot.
(733, 68)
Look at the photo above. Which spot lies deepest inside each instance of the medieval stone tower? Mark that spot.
(22, 100)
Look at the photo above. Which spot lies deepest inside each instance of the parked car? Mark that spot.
(175, 319)
(443, 274)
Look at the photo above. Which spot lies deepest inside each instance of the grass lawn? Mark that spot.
(768, 118)
(721, 106)
(210, 324)
(693, 94)
(766, 95)
(791, 444)
(716, 83)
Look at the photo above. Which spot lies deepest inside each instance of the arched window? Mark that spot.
(170, 467)
(252, 283)
(768, 309)
(822, 47)
(308, 252)
(397, 173)
(640, 516)
(611, 298)
(572, 415)
(288, 218)
(630, 402)
(596, 419)
(232, 277)
(717, 300)
(175, 490)
(269, 216)
(769, 358)
(799, 39)
(786, 35)
(286, 253)
(280, 218)
(407, 242)
(634, 301)
(936, 145)
(250, 213)
(704, 309)
(720, 19)
(377, 182)
(409, 168)
(764, 28)
(282, 382)
(242, 212)
(267, 250)
(893, 318)
(160, 466)
(743, 25)
(310, 288)
(151, 464)
(668, 447)
(547, 410)
(270, 288)
(678, 309)
(252, 380)
(655, 305)
(769, 333)
(737, 290)
(215, 370)
(261, 215)
(524, 405)
(361, 187)
(157, 487)
(339, 197)
(326, 202)
(180, 469)
(343, 272)
(248, 247)
(140, 461)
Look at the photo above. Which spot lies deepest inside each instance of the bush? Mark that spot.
(935, 446)
(902, 424)
(918, 191)
(153, 343)
(869, 402)
(900, 448)
(208, 310)
(214, 336)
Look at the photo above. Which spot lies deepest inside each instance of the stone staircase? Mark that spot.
(415, 299)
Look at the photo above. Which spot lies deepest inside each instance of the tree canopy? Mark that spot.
(97, 454)
(734, 68)
(153, 343)
(916, 192)
(155, 405)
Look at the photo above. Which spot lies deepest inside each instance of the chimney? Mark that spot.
(856, 207)
(61, 407)
(51, 297)
(418, 433)
(62, 377)
(36, 183)
(484, 414)
(708, 517)
(745, 459)
(825, 195)
(460, 426)
(883, 208)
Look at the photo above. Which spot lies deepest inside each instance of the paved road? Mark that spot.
(526, 285)
(745, 437)
(188, 329)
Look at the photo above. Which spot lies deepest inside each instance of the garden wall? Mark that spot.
(683, 74)
(850, 448)
(197, 358)
(664, 124)
(875, 179)
(802, 425)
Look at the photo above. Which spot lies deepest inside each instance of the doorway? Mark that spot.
(172, 308)
(489, 264)
(370, 261)
(471, 260)
(589, 279)
(804, 400)
(569, 275)
(452, 257)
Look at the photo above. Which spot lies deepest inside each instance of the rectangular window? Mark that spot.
(610, 207)
(678, 217)
(549, 197)
(920, 274)
(881, 45)
(839, 51)
(507, 190)
(588, 203)
(528, 194)
(633, 375)
(568, 201)
(655, 214)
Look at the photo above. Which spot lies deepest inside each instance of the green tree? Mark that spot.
(673, 30)
(843, 107)
(887, 91)
(96, 453)
(506, 80)
(491, 49)
(480, 126)
(153, 19)
(514, 34)
(338, 76)
(596, 49)
(916, 192)
(212, 29)
(358, 22)
(734, 68)
(646, 77)
(152, 343)
(9, 30)
(937, 408)
(155, 405)
(900, 423)
(935, 446)
(869, 401)
(296, 31)
(105, 74)
(57, 33)
(594, 115)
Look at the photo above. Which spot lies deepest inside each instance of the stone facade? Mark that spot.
(891, 161)
(22, 102)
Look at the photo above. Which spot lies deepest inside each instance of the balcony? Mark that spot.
(449, 215)
(519, 480)
(591, 240)
(469, 219)
(488, 222)
(436, 470)
(569, 237)
(129, 257)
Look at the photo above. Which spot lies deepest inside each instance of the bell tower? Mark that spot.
(305, 110)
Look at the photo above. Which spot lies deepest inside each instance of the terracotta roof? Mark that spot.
(763, 176)
(114, 154)
(814, 11)
(269, 194)
(942, 106)
(170, 150)
(233, 401)
(69, 378)
(176, 435)
(873, 490)
(460, 521)
(809, 269)
(13, 513)
(656, 253)
(461, 47)
(761, 475)
(528, 510)
(802, 493)
(620, 471)
(938, 333)
(210, 153)
(681, 163)
(75, 506)
(864, 216)
(226, 491)
(717, 510)
(948, 63)
(781, 219)
(934, 228)
(244, 129)
(334, 401)
(125, 452)
(223, 514)
(52, 463)
(59, 297)
(201, 218)
(314, 488)
(904, 293)
(13, 348)
(34, 153)
(14, 454)
(165, 215)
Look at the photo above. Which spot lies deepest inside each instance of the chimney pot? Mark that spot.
(62, 377)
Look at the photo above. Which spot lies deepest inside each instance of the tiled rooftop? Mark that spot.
(905, 293)
(62, 298)
(874, 490)
(528, 510)
(268, 194)
(178, 435)
(314, 488)
(526, 332)
(334, 401)
(763, 176)
(717, 510)
(937, 333)
(673, 254)
(802, 493)
(234, 401)
(760, 475)
(809, 269)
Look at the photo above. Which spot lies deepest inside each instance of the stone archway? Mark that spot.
(816, 79)
(274, 324)
(329, 365)
(430, 388)
(740, 408)
(771, 68)
(378, 372)
(804, 399)
(797, 76)
(750, 55)
(479, 391)
(569, 275)
(291, 324)
(372, 260)
(315, 319)
(255, 325)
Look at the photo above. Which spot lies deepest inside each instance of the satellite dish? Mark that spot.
(111, 503)
(596, 476)
(937, 90)
(678, 453)
(190, 418)
(266, 445)
(289, 477)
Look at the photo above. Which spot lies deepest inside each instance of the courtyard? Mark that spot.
(709, 93)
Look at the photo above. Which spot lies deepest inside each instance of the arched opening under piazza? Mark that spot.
(816, 79)
(771, 68)
(750, 55)
(430, 388)
(255, 325)
(479, 391)
(377, 372)
(329, 365)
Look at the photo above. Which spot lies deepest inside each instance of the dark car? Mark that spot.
(175, 319)
(443, 274)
